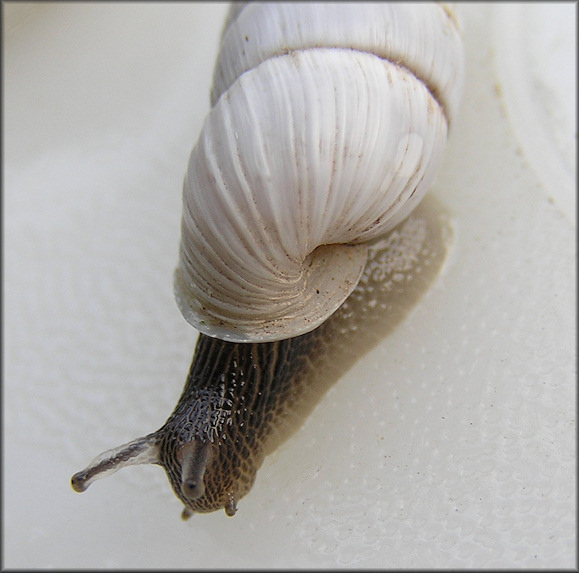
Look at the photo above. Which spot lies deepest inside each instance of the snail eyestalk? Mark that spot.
(194, 457)
(140, 451)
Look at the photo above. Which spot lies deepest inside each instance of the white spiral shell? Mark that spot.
(328, 125)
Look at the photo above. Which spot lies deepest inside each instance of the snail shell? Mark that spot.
(327, 127)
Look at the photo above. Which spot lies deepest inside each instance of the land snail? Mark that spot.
(328, 125)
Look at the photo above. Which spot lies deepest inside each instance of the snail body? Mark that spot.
(328, 125)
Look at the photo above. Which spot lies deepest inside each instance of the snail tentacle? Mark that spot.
(137, 452)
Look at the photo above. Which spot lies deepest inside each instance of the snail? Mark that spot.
(328, 124)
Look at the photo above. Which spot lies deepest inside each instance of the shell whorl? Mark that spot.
(328, 125)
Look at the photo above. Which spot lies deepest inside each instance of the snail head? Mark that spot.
(205, 473)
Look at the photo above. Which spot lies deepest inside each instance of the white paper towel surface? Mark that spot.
(451, 444)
